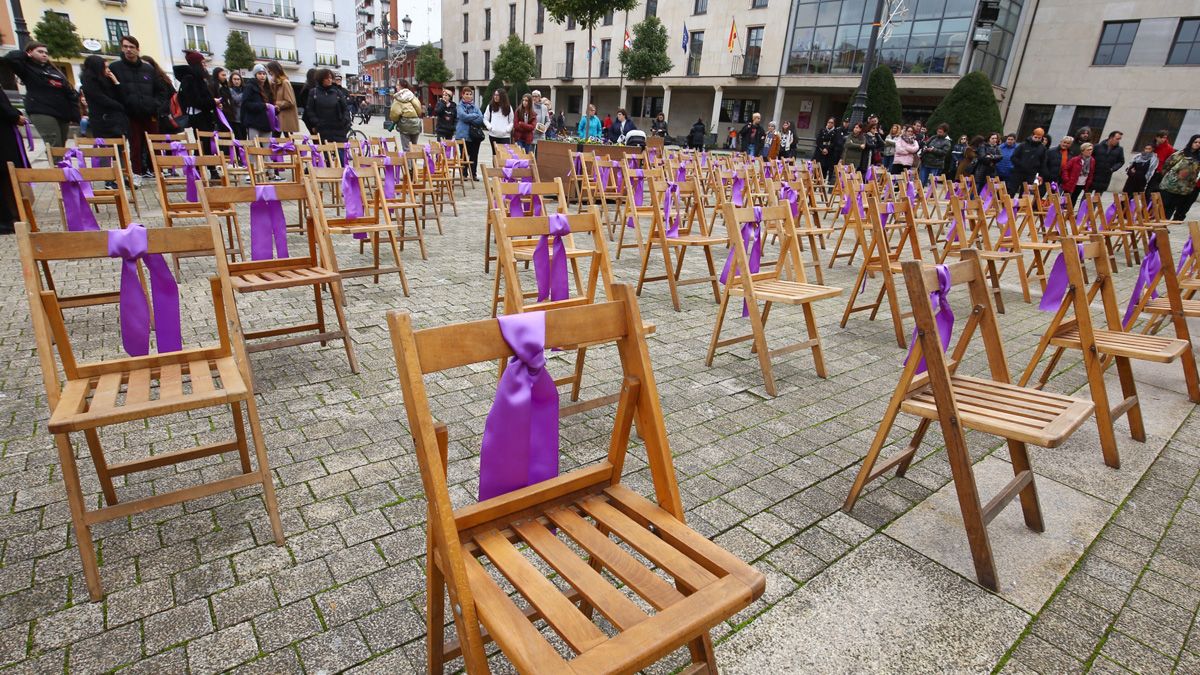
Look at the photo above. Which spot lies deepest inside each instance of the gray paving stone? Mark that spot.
(287, 625)
(222, 650)
(66, 627)
(243, 602)
(106, 651)
(334, 650)
(139, 601)
(176, 626)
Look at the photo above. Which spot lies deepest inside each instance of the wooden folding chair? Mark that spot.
(691, 583)
(268, 167)
(176, 207)
(402, 208)
(124, 163)
(807, 222)
(631, 214)
(503, 175)
(975, 232)
(425, 191)
(99, 157)
(958, 403)
(315, 267)
(91, 396)
(692, 232)
(1079, 333)
(785, 282)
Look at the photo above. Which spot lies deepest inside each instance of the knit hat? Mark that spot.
(194, 58)
(258, 68)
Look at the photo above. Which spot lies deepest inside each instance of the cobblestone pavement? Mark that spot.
(201, 587)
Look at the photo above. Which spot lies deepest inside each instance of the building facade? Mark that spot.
(790, 59)
(299, 34)
(101, 24)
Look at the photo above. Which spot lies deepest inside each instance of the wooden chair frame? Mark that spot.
(691, 217)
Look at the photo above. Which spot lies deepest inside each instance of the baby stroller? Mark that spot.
(635, 138)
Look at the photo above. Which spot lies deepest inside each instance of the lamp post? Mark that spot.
(391, 39)
(858, 111)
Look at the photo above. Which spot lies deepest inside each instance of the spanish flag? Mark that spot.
(732, 34)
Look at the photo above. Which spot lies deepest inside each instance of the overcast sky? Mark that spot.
(427, 19)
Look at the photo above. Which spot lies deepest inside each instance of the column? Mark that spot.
(777, 114)
(714, 120)
(624, 92)
(666, 103)
(553, 98)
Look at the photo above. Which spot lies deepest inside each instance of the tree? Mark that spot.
(586, 13)
(238, 54)
(883, 99)
(430, 66)
(970, 108)
(514, 62)
(58, 34)
(647, 58)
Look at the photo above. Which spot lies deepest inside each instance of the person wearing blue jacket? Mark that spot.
(589, 124)
(469, 117)
(1005, 166)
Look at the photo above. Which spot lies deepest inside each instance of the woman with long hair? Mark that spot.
(256, 94)
(237, 93)
(446, 114)
(1181, 180)
(523, 123)
(327, 112)
(106, 110)
(285, 99)
(469, 127)
(498, 118)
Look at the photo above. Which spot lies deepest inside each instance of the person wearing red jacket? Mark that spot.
(1164, 149)
(524, 122)
(1080, 171)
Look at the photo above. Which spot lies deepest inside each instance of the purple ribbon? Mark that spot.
(430, 164)
(870, 173)
(277, 150)
(22, 146)
(75, 195)
(671, 223)
(318, 159)
(179, 148)
(1110, 213)
(681, 174)
(520, 436)
(1056, 284)
(1187, 252)
(911, 191)
(100, 162)
(192, 173)
(73, 157)
(788, 194)
(272, 117)
(389, 177)
(268, 229)
(578, 165)
(352, 196)
(944, 317)
(1051, 219)
(602, 174)
(738, 193)
(510, 164)
(236, 151)
(130, 246)
(516, 202)
(637, 178)
(1151, 265)
(551, 275)
(986, 195)
(750, 230)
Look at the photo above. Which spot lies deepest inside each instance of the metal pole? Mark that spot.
(22, 28)
(387, 65)
(858, 111)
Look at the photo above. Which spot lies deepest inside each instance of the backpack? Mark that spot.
(175, 118)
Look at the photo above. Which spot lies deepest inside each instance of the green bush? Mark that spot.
(970, 108)
(883, 99)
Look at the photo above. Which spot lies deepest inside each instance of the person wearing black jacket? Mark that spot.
(1057, 158)
(827, 148)
(1028, 160)
(750, 138)
(195, 94)
(218, 89)
(695, 139)
(255, 97)
(10, 151)
(446, 115)
(106, 110)
(326, 111)
(144, 95)
(987, 156)
(50, 101)
(1110, 156)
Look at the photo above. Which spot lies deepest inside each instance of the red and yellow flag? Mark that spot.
(732, 34)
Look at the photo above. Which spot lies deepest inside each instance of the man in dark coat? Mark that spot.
(828, 149)
(1110, 156)
(1028, 160)
(50, 101)
(144, 95)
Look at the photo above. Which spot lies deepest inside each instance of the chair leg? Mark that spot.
(712, 274)
(1030, 507)
(1024, 280)
(320, 311)
(1104, 419)
(810, 321)
(1137, 428)
(716, 334)
(239, 428)
(972, 514)
(435, 602)
(894, 307)
(97, 452)
(83, 532)
(666, 253)
(264, 470)
(487, 243)
(399, 265)
(496, 290)
(760, 345)
(577, 382)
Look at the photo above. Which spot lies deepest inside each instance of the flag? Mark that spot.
(732, 34)
(628, 41)
(590, 50)
(685, 38)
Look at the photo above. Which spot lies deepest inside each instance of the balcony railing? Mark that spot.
(325, 59)
(106, 48)
(198, 45)
(745, 66)
(252, 9)
(275, 54)
(120, 3)
(192, 7)
(565, 71)
(324, 20)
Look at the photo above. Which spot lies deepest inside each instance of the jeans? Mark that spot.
(52, 130)
(527, 147)
(473, 157)
(927, 171)
(497, 139)
(752, 150)
(887, 162)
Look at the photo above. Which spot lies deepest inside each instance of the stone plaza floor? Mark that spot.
(1112, 585)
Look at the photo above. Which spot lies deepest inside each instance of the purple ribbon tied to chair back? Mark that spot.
(73, 157)
(1051, 219)
(944, 318)
(352, 197)
(911, 191)
(671, 217)
(985, 197)
(130, 245)
(314, 155)
(1056, 284)
(520, 436)
(551, 273)
(430, 163)
(516, 202)
(192, 173)
(789, 194)
(27, 145)
(578, 165)
(1188, 251)
(637, 178)
(681, 173)
(100, 162)
(268, 229)
(510, 164)
(278, 150)
(75, 195)
(273, 117)
(870, 173)
(738, 192)
(752, 239)
(390, 170)
(1151, 266)
(179, 148)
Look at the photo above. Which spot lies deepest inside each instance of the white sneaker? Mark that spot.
(137, 180)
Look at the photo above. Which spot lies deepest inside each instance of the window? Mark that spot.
(118, 28)
(1034, 116)
(487, 24)
(487, 64)
(608, 18)
(569, 64)
(700, 7)
(537, 61)
(754, 39)
(541, 17)
(194, 37)
(512, 18)
(466, 73)
(695, 51)
(1185, 51)
(738, 110)
(758, 4)
(654, 105)
(326, 54)
(1090, 116)
(574, 103)
(466, 25)
(1156, 120)
(651, 7)
(1115, 41)
(285, 48)
(605, 53)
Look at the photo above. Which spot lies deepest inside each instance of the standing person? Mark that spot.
(1164, 149)
(751, 135)
(446, 114)
(621, 126)
(607, 121)
(541, 111)
(659, 126)
(1083, 135)
(697, 134)
(218, 88)
(524, 121)
(959, 150)
(560, 122)
(284, 96)
(196, 99)
(589, 125)
(310, 83)
(50, 101)
(237, 93)
(826, 148)
(888, 153)
(256, 94)
(966, 165)
(1080, 171)
(408, 123)
(470, 128)
(144, 95)
(327, 111)
(1056, 160)
(1029, 161)
(906, 148)
(106, 111)
(1180, 177)
(787, 140)
(987, 157)
(935, 153)
(11, 120)
(770, 149)
(1004, 167)
(498, 119)
(551, 124)
(1141, 168)
(1110, 156)
(856, 148)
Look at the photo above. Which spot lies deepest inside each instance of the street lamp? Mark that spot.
(858, 109)
(391, 39)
